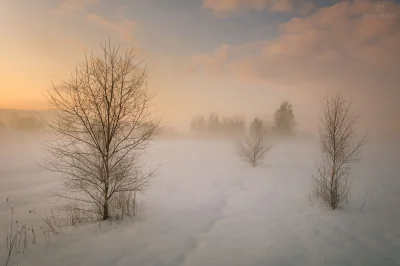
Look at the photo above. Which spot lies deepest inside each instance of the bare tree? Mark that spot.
(253, 149)
(102, 124)
(340, 148)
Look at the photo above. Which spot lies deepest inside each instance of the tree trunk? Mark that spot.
(333, 203)
(106, 214)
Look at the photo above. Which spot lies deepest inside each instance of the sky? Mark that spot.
(234, 57)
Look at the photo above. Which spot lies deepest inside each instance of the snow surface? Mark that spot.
(206, 207)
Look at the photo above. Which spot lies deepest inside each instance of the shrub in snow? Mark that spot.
(253, 149)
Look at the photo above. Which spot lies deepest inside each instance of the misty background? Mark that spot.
(238, 58)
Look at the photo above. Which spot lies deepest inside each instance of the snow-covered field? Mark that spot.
(206, 207)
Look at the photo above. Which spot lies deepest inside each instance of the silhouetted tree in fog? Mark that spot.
(284, 119)
(256, 125)
(213, 123)
(102, 124)
(198, 124)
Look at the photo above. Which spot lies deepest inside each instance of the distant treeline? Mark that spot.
(218, 124)
(283, 124)
(25, 123)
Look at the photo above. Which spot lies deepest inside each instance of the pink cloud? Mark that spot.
(124, 28)
(71, 7)
(210, 63)
(229, 7)
(331, 36)
(77, 45)
(346, 48)
(75, 5)
(282, 6)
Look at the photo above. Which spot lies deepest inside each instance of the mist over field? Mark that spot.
(207, 207)
(200, 133)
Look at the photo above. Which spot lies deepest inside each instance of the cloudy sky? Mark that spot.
(229, 56)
